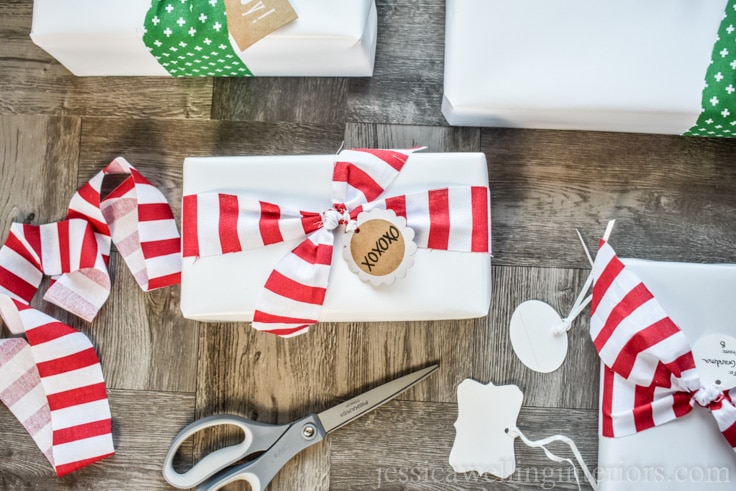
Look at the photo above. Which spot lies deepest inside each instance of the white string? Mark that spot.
(609, 229)
(516, 432)
(585, 247)
(580, 303)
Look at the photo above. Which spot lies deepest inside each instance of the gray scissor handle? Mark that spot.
(257, 437)
(259, 472)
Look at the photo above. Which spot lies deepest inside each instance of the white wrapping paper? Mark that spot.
(688, 453)
(104, 37)
(440, 284)
(606, 65)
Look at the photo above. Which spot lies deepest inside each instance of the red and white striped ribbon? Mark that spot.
(138, 219)
(650, 377)
(454, 218)
(54, 386)
(53, 382)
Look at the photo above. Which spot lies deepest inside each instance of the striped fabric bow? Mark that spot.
(650, 377)
(454, 218)
(53, 382)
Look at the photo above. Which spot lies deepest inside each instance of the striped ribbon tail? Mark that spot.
(21, 390)
(54, 386)
(295, 290)
(215, 223)
(362, 175)
(138, 219)
(649, 375)
(448, 219)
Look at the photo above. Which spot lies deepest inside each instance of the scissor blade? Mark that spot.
(344, 413)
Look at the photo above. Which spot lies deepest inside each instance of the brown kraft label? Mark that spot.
(251, 20)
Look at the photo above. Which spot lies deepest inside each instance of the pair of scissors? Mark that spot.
(278, 442)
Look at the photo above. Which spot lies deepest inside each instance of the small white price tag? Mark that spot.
(381, 247)
(534, 338)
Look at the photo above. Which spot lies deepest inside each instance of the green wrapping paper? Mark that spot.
(190, 38)
(718, 114)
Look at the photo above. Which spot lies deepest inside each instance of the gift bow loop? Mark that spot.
(453, 218)
(649, 375)
(137, 217)
(295, 290)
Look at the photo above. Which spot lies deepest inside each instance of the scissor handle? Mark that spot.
(257, 437)
(260, 471)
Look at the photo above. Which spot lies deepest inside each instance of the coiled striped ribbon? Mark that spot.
(52, 380)
(454, 218)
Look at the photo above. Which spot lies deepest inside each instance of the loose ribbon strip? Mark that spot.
(650, 376)
(516, 432)
(718, 112)
(53, 382)
(453, 219)
(190, 38)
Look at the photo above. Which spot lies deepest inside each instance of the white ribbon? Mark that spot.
(516, 432)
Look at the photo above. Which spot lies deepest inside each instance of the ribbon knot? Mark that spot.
(334, 217)
(707, 395)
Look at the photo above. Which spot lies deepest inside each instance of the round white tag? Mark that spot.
(533, 337)
(381, 247)
(715, 359)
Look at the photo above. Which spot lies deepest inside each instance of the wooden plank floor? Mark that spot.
(674, 198)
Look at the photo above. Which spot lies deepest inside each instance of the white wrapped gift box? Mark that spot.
(440, 284)
(623, 65)
(105, 37)
(687, 453)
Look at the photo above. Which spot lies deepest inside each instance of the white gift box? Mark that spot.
(105, 37)
(687, 453)
(623, 65)
(440, 284)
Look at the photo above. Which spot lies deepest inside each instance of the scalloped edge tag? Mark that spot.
(485, 415)
(380, 249)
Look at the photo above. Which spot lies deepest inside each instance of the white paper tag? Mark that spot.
(533, 336)
(715, 359)
(485, 414)
(381, 247)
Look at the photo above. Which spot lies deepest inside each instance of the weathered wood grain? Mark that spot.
(406, 87)
(144, 423)
(157, 148)
(575, 383)
(373, 453)
(294, 99)
(674, 198)
(276, 380)
(16, 15)
(143, 341)
(32, 82)
(38, 167)
(435, 138)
